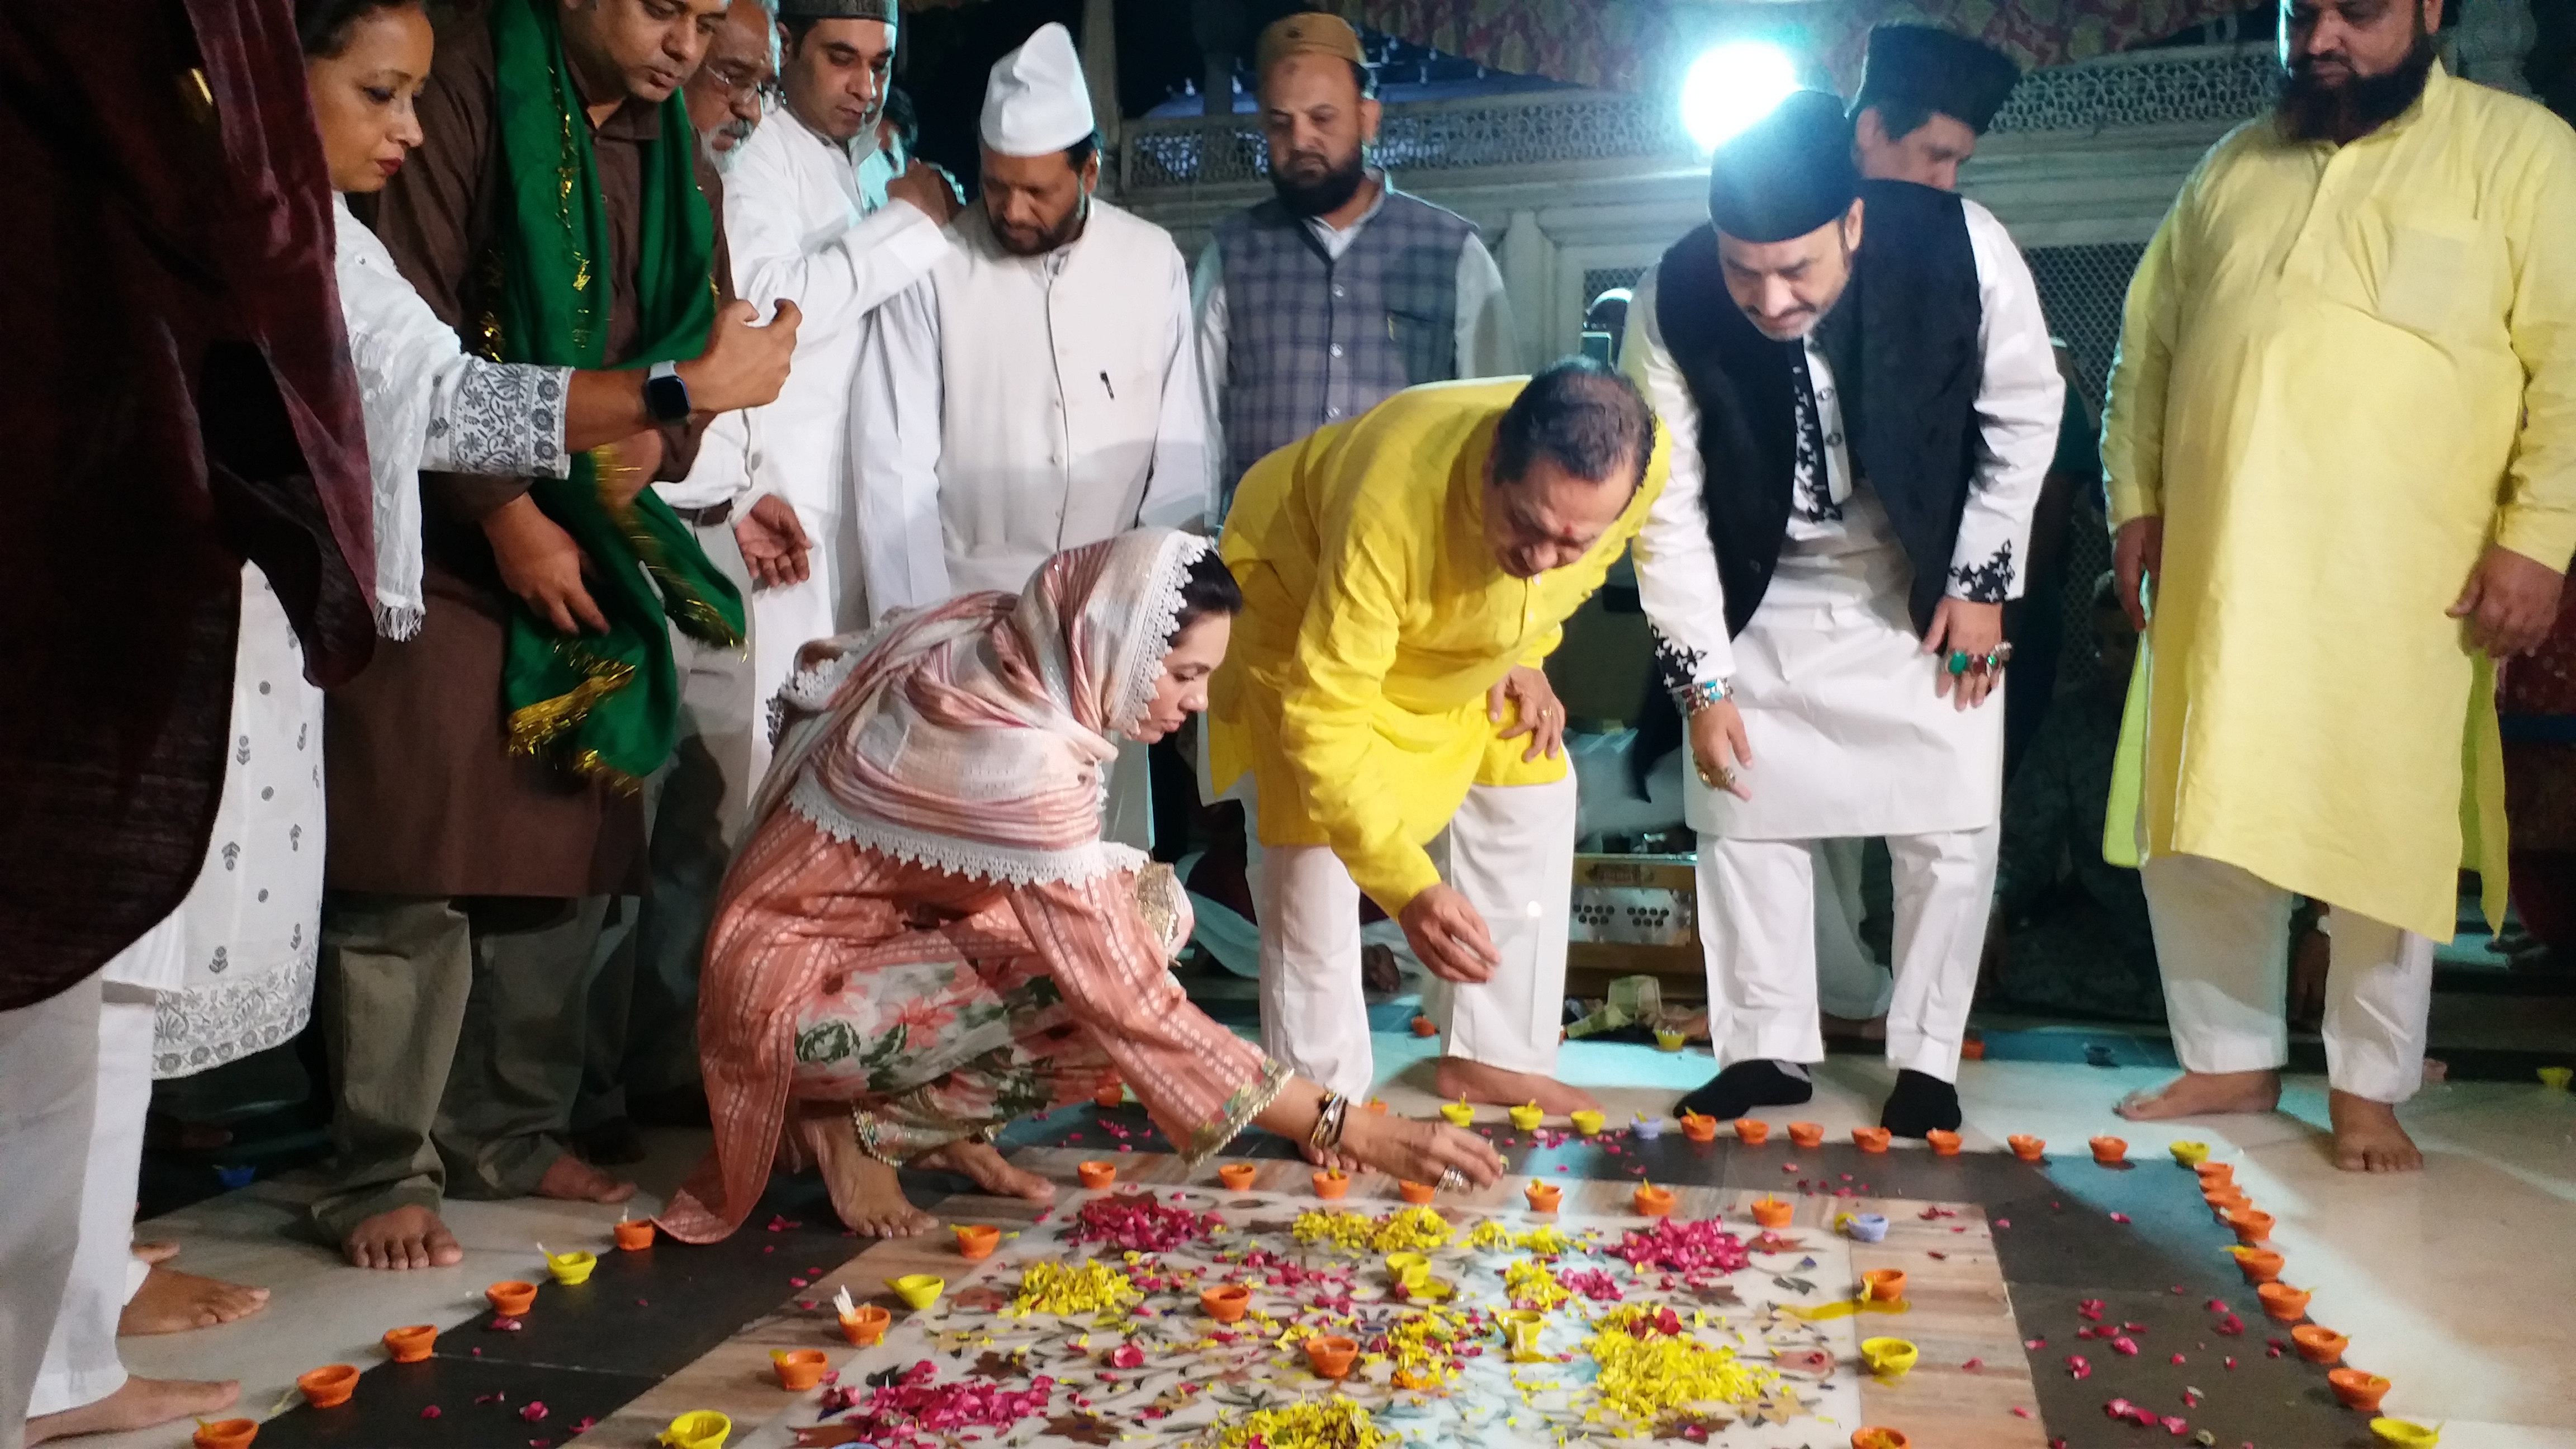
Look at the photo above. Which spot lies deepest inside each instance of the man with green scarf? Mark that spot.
(482, 775)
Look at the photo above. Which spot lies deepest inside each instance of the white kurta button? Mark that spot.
(1337, 291)
(1337, 349)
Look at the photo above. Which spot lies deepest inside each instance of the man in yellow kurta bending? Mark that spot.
(2342, 441)
(1404, 575)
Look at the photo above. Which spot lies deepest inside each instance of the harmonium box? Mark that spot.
(1635, 915)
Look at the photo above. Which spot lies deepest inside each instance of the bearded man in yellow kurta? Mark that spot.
(1404, 576)
(2342, 441)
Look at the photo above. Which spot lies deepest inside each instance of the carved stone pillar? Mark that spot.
(1100, 65)
(1220, 28)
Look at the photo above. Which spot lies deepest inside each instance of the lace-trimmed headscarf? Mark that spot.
(971, 736)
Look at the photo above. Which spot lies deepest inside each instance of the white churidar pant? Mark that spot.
(1758, 935)
(48, 1086)
(1507, 847)
(81, 1364)
(2223, 941)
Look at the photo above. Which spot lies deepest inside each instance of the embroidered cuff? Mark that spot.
(1990, 582)
(1238, 1113)
(1679, 668)
(506, 420)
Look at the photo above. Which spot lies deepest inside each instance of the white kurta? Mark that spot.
(799, 228)
(1849, 737)
(1012, 407)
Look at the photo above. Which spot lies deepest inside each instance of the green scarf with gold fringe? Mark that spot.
(599, 704)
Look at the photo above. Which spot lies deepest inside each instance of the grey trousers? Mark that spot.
(642, 1035)
(48, 1093)
(454, 1032)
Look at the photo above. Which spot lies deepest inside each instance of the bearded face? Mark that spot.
(2353, 67)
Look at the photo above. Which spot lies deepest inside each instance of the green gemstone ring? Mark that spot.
(1959, 663)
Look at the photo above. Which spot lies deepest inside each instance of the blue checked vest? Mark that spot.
(1310, 341)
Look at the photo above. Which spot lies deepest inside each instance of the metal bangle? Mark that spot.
(1327, 1136)
(1690, 699)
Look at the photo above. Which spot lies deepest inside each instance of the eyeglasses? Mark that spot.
(740, 81)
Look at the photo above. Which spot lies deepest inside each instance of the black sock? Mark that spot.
(1747, 1085)
(1919, 1105)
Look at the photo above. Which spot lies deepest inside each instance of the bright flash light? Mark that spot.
(1733, 86)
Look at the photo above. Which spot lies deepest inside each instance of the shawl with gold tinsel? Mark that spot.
(601, 704)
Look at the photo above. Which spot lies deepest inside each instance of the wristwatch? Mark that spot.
(666, 396)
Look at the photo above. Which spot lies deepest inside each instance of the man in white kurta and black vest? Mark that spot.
(1860, 430)
(1339, 291)
(800, 226)
(1039, 390)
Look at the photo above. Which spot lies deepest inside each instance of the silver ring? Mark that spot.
(1451, 1180)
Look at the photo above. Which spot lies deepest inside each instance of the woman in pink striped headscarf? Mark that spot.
(926, 936)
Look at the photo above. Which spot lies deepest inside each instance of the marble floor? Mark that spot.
(2459, 1283)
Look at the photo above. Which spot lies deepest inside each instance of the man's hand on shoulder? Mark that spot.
(931, 190)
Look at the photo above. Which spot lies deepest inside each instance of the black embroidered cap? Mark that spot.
(1786, 174)
(1938, 70)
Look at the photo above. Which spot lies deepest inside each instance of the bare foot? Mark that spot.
(407, 1237)
(156, 1252)
(2205, 1094)
(982, 1162)
(1477, 1082)
(865, 1192)
(573, 1180)
(173, 1302)
(2367, 1137)
(141, 1404)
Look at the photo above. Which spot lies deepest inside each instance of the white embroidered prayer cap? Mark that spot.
(1037, 101)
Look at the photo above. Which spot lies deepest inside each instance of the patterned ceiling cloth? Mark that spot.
(1634, 44)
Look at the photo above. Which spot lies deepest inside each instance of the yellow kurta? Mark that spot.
(2322, 384)
(1374, 621)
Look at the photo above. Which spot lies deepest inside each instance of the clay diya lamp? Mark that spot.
(634, 1235)
(1871, 1139)
(1417, 1193)
(1588, 1122)
(1751, 1131)
(2358, 1390)
(2319, 1344)
(2281, 1302)
(705, 1429)
(865, 1325)
(918, 1290)
(1543, 1196)
(1806, 1134)
(1889, 1358)
(1226, 1303)
(1377, 1105)
(1237, 1176)
(1458, 1113)
(1425, 1026)
(2110, 1151)
(1332, 1182)
(1521, 1329)
(1653, 1201)
(511, 1298)
(570, 1269)
(329, 1386)
(410, 1345)
(1330, 1356)
(1096, 1174)
(1772, 1212)
(2253, 1228)
(225, 1434)
(2405, 1433)
(798, 1369)
(1698, 1128)
(1408, 1273)
(1648, 1129)
(2259, 1265)
(1527, 1116)
(1668, 1040)
(2215, 1174)
(1973, 1049)
(976, 1241)
(1863, 1227)
(2557, 1078)
(2189, 1154)
(2225, 1199)
(1109, 1097)
(1944, 1144)
(1880, 1439)
(2027, 1147)
(1886, 1285)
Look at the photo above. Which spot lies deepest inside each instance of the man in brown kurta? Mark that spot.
(466, 885)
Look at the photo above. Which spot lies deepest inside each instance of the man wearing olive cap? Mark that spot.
(1860, 430)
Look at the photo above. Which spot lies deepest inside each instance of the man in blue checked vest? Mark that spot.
(1339, 291)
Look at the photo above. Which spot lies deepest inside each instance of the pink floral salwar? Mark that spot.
(940, 1007)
